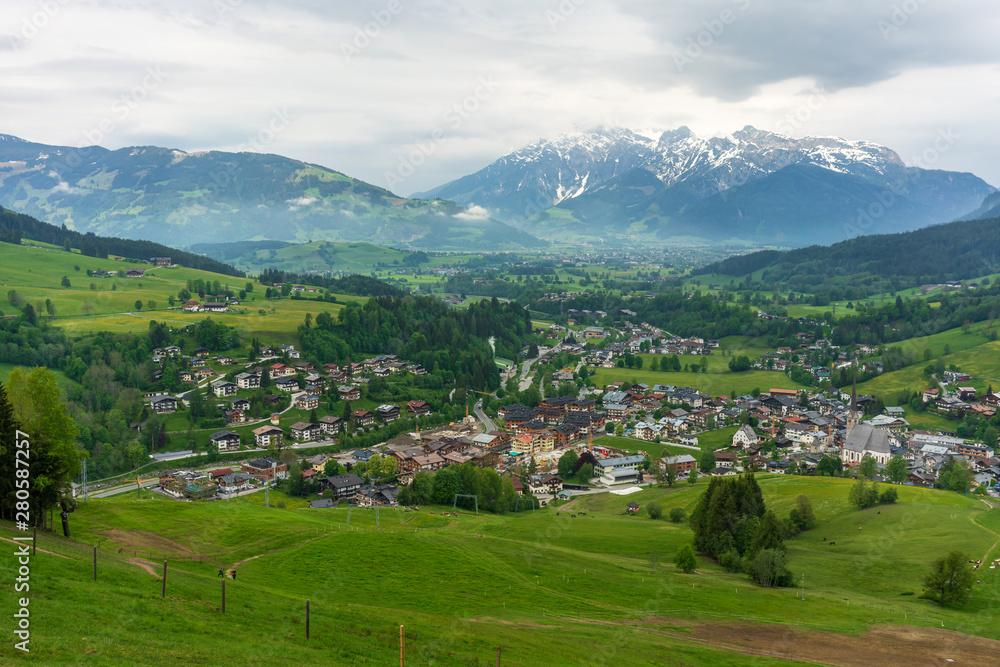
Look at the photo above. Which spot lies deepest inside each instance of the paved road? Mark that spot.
(488, 424)
(104, 493)
(525, 381)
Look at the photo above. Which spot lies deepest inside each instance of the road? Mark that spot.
(488, 424)
(525, 382)
(104, 493)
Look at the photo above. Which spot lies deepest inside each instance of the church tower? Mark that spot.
(852, 416)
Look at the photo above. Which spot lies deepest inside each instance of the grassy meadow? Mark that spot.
(597, 587)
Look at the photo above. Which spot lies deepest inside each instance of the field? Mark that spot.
(547, 588)
(715, 383)
(90, 305)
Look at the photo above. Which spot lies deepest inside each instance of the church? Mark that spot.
(863, 439)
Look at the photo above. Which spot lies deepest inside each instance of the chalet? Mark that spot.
(247, 380)
(348, 393)
(387, 412)
(225, 361)
(214, 307)
(240, 404)
(223, 388)
(268, 435)
(186, 376)
(281, 370)
(266, 469)
(966, 393)
(235, 416)
(234, 482)
(545, 483)
(726, 458)
(226, 441)
(163, 404)
(307, 402)
(191, 306)
(135, 273)
(290, 351)
(950, 405)
(343, 486)
(418, 408)
(329, 424)
(172, 350)
(286, 384)
(197, 362)
(363, 417)
(305, 366)
(990, 399)
(201, 352)
(744, 437)
(204, 373)
(681, 463)
(160, 261)
(302, 431)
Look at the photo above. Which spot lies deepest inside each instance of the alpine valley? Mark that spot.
(752, 185)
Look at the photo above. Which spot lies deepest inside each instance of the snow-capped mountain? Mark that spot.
(668, 182)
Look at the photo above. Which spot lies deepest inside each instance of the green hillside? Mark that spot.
(179, 199)
(546, 587)
(304, 257)
(90, 305)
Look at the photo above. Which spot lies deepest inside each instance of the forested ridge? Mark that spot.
(15, 226)
(954, 251)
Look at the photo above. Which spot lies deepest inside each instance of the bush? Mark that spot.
(280, 504)
(889, 496)
(678, 514)
(685, 560)
(654, 511)
(768, 569)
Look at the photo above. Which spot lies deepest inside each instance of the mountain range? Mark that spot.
(751, 185)
(181, 199)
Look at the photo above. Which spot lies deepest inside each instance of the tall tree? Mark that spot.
(55, 460)
(950, 579)
(9, 477)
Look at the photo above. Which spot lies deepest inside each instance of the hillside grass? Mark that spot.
(714, 383)
(550, 587)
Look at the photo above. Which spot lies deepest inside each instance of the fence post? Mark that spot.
(498, 656)
(163, 591)
(95, 562)
(402, 648)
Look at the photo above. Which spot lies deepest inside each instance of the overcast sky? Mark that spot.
(359, 86)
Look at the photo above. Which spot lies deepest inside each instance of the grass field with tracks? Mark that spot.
(550, 588)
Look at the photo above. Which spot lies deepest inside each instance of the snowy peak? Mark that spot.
(550, 171)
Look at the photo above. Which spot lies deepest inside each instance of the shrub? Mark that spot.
(768, 569)
(889, 496)
(678, 514)
(654, 511)
(685, 560)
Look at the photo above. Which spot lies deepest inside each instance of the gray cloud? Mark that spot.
(372, 81)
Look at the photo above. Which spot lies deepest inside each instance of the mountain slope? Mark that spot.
(752, 184)
(902, 260)
(179, 198)
(990, 208)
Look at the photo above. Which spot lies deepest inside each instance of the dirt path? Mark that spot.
(294, 546)
(144, 564)
(990, 550)
(883, 644)
(44, 551)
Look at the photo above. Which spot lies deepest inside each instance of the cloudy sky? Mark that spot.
(361, 86)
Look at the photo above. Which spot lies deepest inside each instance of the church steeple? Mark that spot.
(852, 416)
